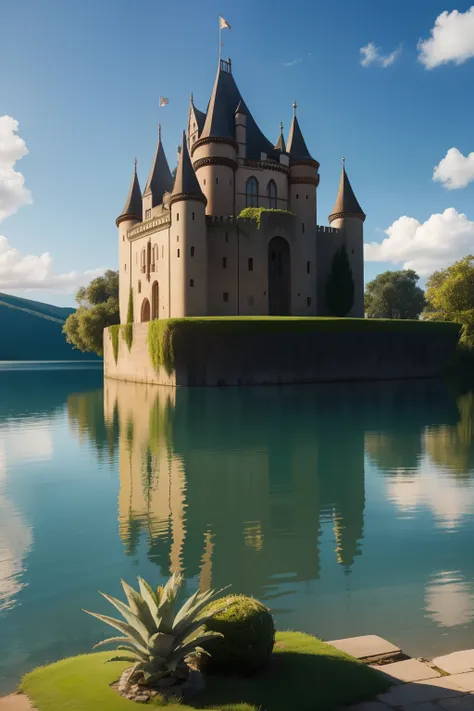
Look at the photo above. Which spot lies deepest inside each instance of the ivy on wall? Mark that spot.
(114, 334)
(255, 213)
(127, 329)
(160, 343)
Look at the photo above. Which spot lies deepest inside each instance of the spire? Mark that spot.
(195, 116)
(346, 204)
(133, 204)
(186, 184)
(280, 144)
(160, 180)
(296, 144)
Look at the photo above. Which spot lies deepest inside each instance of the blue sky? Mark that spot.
(83, 81)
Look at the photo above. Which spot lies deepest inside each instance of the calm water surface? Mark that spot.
(347, 509)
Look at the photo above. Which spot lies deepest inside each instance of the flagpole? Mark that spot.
(220, 42)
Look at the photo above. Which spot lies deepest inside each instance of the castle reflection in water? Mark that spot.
(236, 485)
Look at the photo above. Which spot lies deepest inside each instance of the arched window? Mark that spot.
(272, 194)
(251, 192)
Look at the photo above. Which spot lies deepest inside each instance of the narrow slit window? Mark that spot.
(308, 301)
(225, 296)
(250, 264)
(191, 282)
(178, 253)
(308, 267)
(192, 251)
(224, 262)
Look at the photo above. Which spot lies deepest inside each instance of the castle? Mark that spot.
(184, 250)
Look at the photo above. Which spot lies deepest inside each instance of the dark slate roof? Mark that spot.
(346, 202)
(296, 144)
(186, 182)
(133, 203)
(160, 180)
(197, 115)
(280, 144)
(220, 117)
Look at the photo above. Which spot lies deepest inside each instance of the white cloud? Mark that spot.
(452, 39)
(370, 54)
(293, 62)
(26, 271)
(13, 193)
(455, 170)
(449, 599)
(425, 247)
(29, 271)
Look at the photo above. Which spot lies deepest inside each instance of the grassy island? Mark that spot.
(304, 674)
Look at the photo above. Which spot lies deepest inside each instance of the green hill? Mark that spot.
(31, 330)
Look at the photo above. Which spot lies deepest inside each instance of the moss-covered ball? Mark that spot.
(249, 635)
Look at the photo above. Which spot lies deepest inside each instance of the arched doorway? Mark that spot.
(155, 300)
(145, 312)
(279, 277)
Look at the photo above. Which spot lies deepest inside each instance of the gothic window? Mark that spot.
(143, 260)
(251, 192)
(147, 214)
(272, 194)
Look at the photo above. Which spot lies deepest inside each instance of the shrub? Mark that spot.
(255, 213)
(249, 635)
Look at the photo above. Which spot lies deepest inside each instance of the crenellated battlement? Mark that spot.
(325, 229)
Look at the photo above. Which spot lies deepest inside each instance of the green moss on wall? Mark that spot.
(160, 343)
(127, 334)
(114, 334)
(255, 213)
(130, 307)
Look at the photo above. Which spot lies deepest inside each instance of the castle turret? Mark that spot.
(159, 181)
(130, 215)
(188, 241)
(196, 121)
(348, 216)
(280, 144)
(304, 176)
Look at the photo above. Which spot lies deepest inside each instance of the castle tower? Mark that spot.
(159, 181)
(304, 176)
(215, 152)
(303, 181)
(188, 241)
(348, 216)
(130, 215)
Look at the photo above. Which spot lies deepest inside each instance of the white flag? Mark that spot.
(163, 101)
(223, 24)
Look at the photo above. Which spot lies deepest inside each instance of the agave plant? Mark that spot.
(157, 638)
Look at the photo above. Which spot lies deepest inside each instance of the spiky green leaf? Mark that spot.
(121, 627)
(110, 640)
(131, 618)
(151, 600)
(139, 607)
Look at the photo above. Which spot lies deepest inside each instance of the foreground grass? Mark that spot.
(305, 674)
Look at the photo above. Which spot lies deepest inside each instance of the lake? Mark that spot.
(347, 509)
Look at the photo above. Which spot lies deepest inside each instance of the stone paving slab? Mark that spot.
(365, 647)
(457, 662)
(464, 703)
(425, 706)
(422, 691)
(15, 702)
(408, 670)
(464, 681)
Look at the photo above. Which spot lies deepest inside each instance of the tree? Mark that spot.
(394, 295)
(450, 297)
(98, 309)
(340, 285)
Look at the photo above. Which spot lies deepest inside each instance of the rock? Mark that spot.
(142, 698)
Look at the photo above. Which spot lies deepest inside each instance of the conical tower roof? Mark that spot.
(186, 185)
(160, 180)
(133, 203)
(220, 116)
(280, 144)
(196, 116)
(297, 147)
(346, 204)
